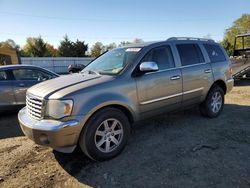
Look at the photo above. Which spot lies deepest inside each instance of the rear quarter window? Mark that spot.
(215, 53)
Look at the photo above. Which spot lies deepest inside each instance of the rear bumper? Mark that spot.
(61, 136)
(230, 84)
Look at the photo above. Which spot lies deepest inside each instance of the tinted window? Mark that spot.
(3, 76)
(190, 54)
(162, 56)
(214, 52)
(31, 74)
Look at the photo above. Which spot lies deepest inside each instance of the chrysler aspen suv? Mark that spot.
(96, 107)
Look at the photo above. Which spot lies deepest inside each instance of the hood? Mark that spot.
(50, 87)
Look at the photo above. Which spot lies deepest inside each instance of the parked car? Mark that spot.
(75, 68)
(97, 107)
(16, 79)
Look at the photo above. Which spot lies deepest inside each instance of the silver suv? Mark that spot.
(96, 108)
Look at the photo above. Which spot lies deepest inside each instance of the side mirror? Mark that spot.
(149, 66)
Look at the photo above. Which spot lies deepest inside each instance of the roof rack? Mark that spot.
(189, 38)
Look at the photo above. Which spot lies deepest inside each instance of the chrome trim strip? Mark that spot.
(171, 96)
(160, 99)
(165, 70)
(185, 66)
(193, 90)
(180, 67)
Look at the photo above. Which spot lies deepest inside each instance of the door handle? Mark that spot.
(208, 71)
(21, 84)
(177, 77)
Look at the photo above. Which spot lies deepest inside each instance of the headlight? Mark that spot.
(59, 108)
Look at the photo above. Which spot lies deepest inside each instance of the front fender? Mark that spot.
(94, 103)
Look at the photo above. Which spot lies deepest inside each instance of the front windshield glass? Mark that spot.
(112, 62)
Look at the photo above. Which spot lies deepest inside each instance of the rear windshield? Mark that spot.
(215, 53)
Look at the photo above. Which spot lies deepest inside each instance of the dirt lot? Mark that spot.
(178, 150)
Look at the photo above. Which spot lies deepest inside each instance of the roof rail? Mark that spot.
(189, 38)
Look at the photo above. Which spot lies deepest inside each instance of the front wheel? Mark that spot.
(214, 103)
(105, 134)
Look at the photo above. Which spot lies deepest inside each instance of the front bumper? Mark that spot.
(230, 84)
(61, 136)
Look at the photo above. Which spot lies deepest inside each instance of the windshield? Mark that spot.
(112, 62)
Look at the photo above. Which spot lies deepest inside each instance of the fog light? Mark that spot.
(44, 139)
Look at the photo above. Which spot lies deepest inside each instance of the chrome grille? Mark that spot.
(34, 106)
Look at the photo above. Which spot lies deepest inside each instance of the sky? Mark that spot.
(110, 21)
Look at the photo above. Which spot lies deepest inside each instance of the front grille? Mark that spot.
(34, 106)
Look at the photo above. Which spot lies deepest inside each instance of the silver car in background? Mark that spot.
(97, 107)
(16, 79)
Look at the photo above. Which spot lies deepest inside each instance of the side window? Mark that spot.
(190, 54)
(30, 74)
(3, 76)
(41, 76)
(162, 56)
(215, 53)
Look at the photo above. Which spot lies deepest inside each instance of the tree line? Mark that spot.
(36, 47)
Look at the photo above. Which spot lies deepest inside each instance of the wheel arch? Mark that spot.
(125, 109)
(221, 84)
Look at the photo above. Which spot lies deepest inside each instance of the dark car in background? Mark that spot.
(16, 79)
(75, 68)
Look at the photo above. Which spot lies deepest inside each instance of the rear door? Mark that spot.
(196, 72)
(7, 96)
(161, 89)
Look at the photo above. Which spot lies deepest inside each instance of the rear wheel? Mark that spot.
(214, 103)
(105, 135)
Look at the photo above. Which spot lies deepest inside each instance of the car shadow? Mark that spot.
(168, 151)
(9, 126)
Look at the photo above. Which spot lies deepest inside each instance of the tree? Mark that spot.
(137, 40)
(124, 43)
(110, 46)
(97, 49)
(10, 44)
(51, 50)
(35, 47)
(66, 48)
(80, 48)
(240, 26)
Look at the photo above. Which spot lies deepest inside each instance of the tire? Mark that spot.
(214, 103)
(108, 127)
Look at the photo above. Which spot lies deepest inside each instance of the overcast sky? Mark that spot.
(117, 20)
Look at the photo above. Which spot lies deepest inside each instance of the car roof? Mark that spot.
(172, 39)
(8, 67)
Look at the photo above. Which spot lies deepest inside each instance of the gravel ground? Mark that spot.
(181, 149)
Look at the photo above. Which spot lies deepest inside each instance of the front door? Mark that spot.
(161, 90)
